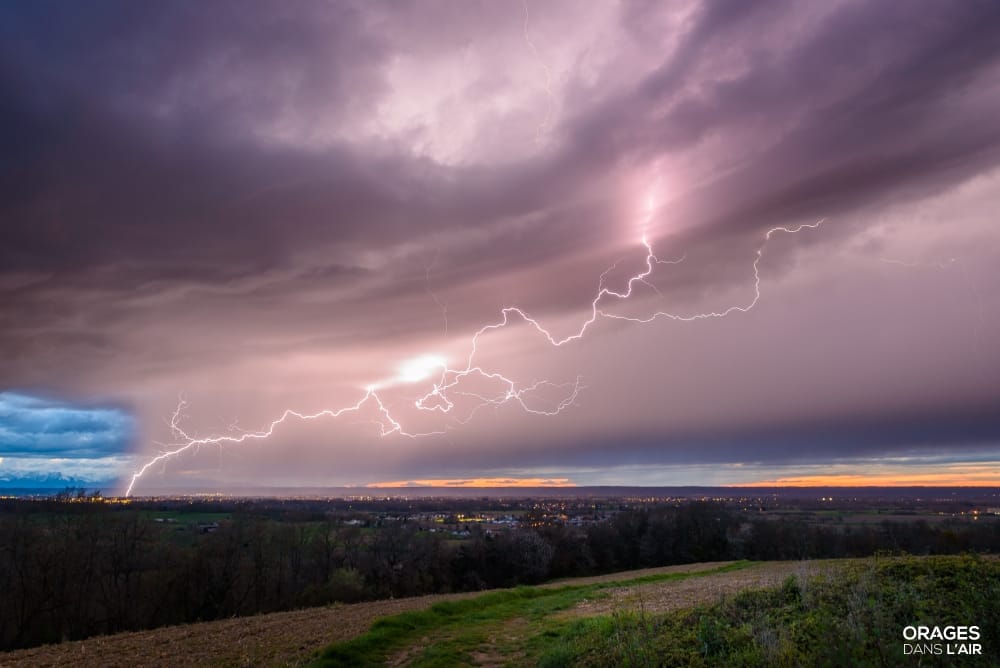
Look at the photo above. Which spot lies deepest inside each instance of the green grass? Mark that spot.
(852, 615)
(459, 628)
(852, 618)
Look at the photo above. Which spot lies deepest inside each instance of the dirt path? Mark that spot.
(290, 638)
(677, 594)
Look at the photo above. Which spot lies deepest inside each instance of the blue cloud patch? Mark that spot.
(33, 426)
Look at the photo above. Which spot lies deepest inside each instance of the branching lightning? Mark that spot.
(447, 386)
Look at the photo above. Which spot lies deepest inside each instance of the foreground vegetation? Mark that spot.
(293, 638)
(458, 628)
(79, 567)
(854, 615)
(621, 619)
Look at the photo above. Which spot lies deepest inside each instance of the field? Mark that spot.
(827, 612)
(854, 616)
(94, 581)
(846, 613)
(292, 638)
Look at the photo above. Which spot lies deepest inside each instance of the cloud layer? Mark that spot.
(261, 206)
(41, 438)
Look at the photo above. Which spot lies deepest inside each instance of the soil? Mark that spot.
(292, 638)
(276, 639)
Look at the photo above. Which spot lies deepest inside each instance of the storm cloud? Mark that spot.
(262, 205)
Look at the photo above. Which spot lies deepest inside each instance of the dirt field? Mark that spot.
(290, 638)
(277, 639)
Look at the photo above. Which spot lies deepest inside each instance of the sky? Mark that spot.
(748, 243)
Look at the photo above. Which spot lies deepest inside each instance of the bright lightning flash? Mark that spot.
(439, 398)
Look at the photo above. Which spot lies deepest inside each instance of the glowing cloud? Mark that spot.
(420, 368)
(437, 399)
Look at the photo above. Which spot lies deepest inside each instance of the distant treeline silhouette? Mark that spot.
(74, 570)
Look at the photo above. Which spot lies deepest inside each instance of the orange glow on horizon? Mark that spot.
(477, 482)
(941, 479)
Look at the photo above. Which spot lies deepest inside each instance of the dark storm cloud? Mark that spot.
(967, 433)
(88, 84)
(184, 184)
(132, 134)
(142, 149)
(891, 96)
(847, 438)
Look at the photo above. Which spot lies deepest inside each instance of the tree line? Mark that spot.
(80, 570)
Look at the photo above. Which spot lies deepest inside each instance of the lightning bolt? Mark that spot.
(439, 398)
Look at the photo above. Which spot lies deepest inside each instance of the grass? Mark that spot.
(451, 632)
(855, 617)
(852, 615)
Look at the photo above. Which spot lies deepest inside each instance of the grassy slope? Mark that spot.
(618, 621)
(853, 615)
(274, 639)
(459, 628)
(853, 618)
